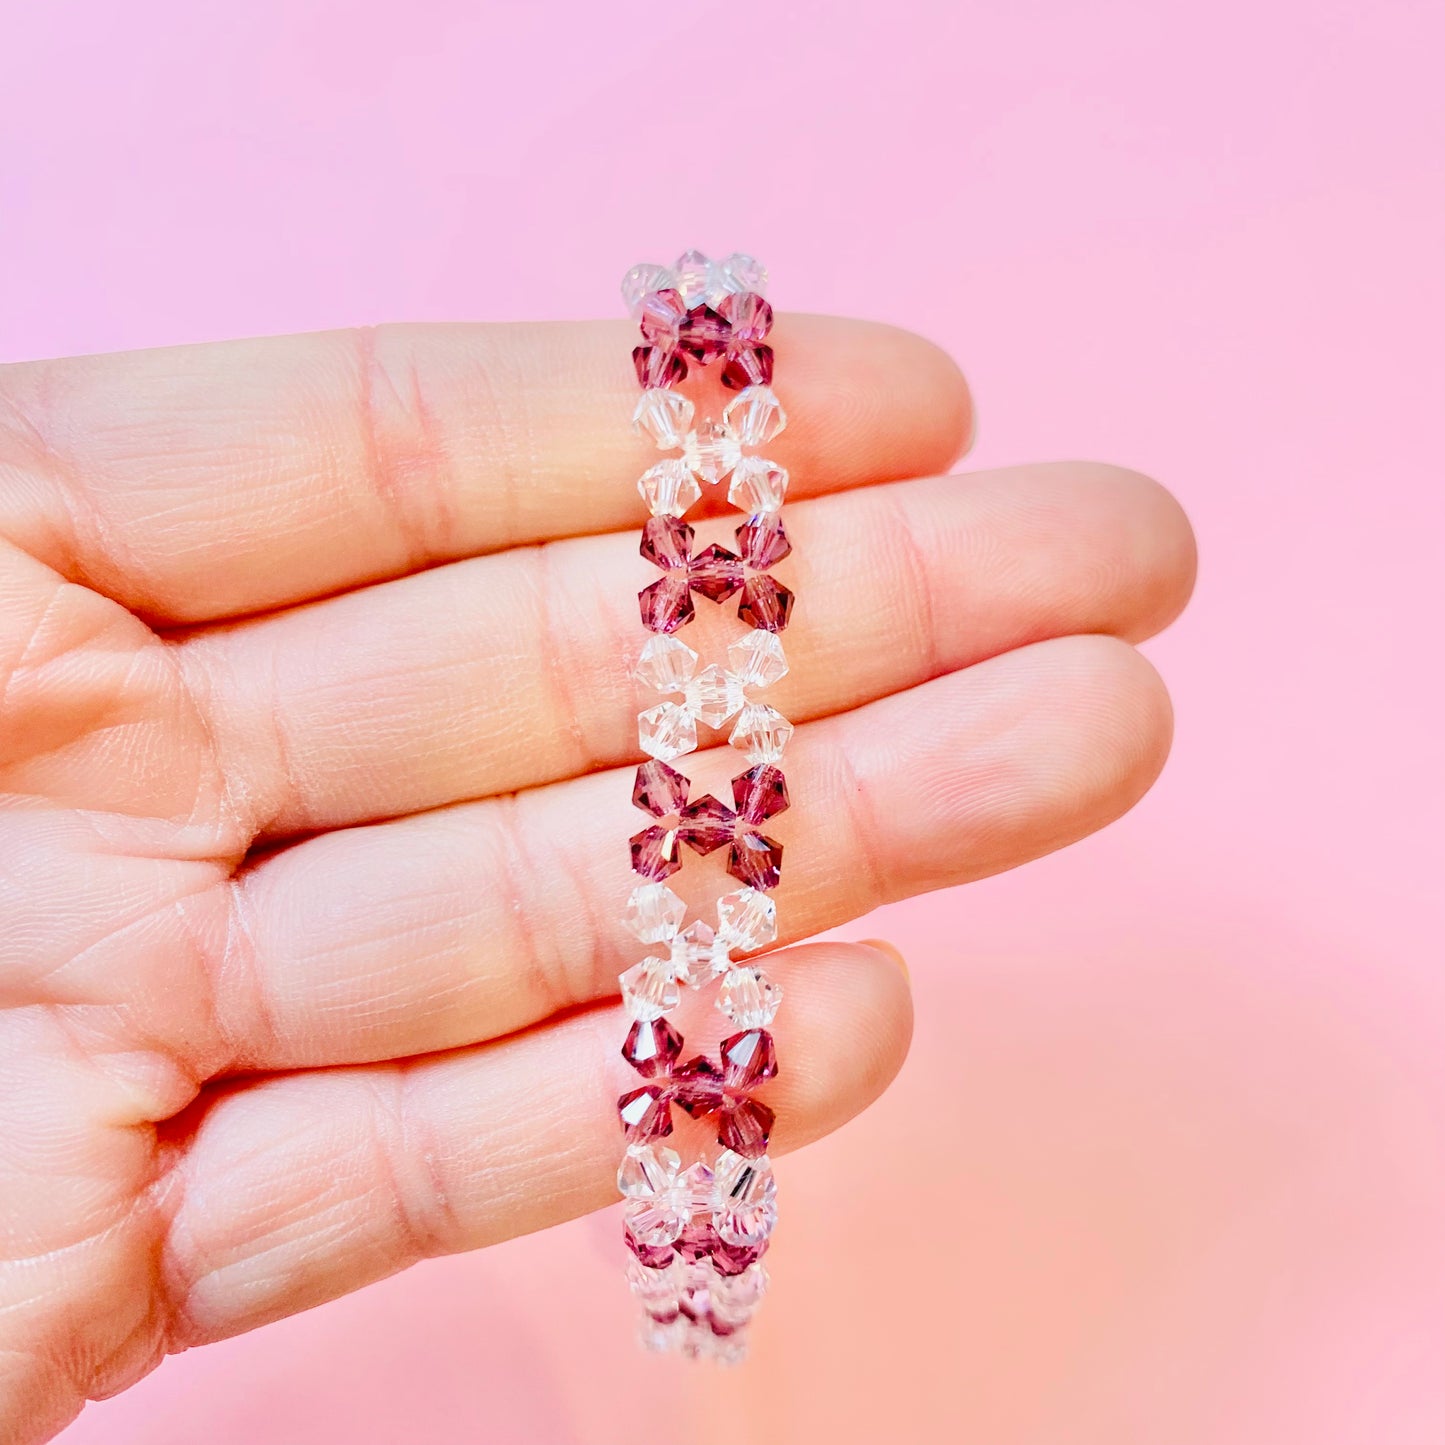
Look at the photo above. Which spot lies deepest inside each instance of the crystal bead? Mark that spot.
(659, 1258)
(758, 485)
(697, 1185)
(748, 1058)
(754, 416)
(757, 660)
(646, 1114)
(705, 824)
(745, 1207)
(649, 989)
(738, 1291)
(760, 793)
(659, 789)
(765, 604)
(667, 604)
(652, 1047)
(715, 572)
(667, 543)
(661, 316)
(667, 731)
(647, 1169)
(763, 540)
(749, 998)
(704, 334)
(748, 366)
(701, 1241)
(655, 853)
(698, 955)
(756, 860)
(645, 278)
(744, 1128)
(666, 663)
(654, 913)
(663, 415)
(697, 1086)
(658, 366)
(711, 453)
(650, 1285)
(761, 733)
(659, 1197)
(655, 1222)
(749, 316)
(713, 696)
(669, 488)
(744, 273)
(694, 276)
(747, 919)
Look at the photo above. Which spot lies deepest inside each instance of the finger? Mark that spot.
(300, 1188)
(504, 672)
(473, 921)
(209, 481)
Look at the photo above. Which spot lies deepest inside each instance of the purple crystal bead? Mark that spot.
(655, 853)
(645, 1114)
(759, 794)
(716, 573)
(698, 1087)
(667, 543)
(748, 1058)
(744, 1128)
(658, 366)
(704, 334)
(661, 317)
(765, 603)
(706, 824)
(653, 1256)
(749, 315)
(660, 790)
(652, 1047)
(747, 366)
(701, 1241)
(756, 860)
(762, 541)
(667, 604)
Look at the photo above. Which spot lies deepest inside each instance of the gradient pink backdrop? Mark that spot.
(1167, 1158)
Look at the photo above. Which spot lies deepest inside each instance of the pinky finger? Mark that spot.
(298, 1188)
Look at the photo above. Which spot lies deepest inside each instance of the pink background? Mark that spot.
(1166, 1164)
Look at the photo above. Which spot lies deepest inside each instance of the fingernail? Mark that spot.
(893, 952)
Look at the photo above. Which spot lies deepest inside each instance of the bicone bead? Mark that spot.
(645, 1113)
(760, 793)
(704, 334)
(765, 604)
(698, 1087)
(661, 316)
(655, 853)
(747, 919)
(761, 733)
(745, 1207)
(663, 416)
(715, 572)
(713, 696)
(698, 954)
(742, 272)
(756, 860)
(647, 1169)
(652, 1047)
(748, 1058)
(654, 912)
(658, 366)
(711, 452)
(669, 488)
(757, 660)
(749, 316)
(748, 366)
(650, 1257)
(667, 604)
(649, 989)
(763, 541)
(749, 998)
(665, 663)
(659, 789)
(758, 486)
(694, 275)
(744, 1127)
(667, 543)
(667, 731)
(706, 823)
(645, 278)
(755, 416)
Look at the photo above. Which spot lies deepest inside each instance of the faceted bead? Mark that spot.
(666, 663)
(711, 452)
(659, 1199)
(655, 1222)
(669, 488)
(748, 366)
(647, 1169)
(715, 572)
(659, 789)
(698, 955)
(645, 1113)
(667, 604)
(661, 316)
(749, 998)
(747, 919)
(761, 733)
(745, 1207)
(744, 273)
(663, 415)
(651, 1286)
(738, 1291)
(643, 279)
(756, 860)
(654, 912)
(713, 696)
(763, 540)
(697, 1087)
(658, 366)
(758, 485)
(760, 793)
(750, 317)
(748, 1058)
(647, 1256)
(704, 334)
(706, 823)
(754, 416)
(655, 853)
(697, 1185)
(667, 731)
(694, 273)
(652, 1047)
(667, 543)
(649, 989)
(757, 660)
(744, 1128)
(765, 603)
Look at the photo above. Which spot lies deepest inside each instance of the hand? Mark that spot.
(315, 744)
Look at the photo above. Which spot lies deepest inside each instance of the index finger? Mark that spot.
(199, 483)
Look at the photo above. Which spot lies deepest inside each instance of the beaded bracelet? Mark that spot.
(698, 1233)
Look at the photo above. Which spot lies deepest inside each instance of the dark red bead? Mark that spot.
(765, 603)
(659, 789)
(667, 604)
(748, 366)
(756, 860)
(645, 1113)
(705, 824)
(653, 1256)
(744, 1128)
(652, 1048)
(704, 334)
(655, 854)
(658, 365)
(749, 315)
(748, 1058)
(661, 316)
(762, 541)
(760, 793)
(666, 542)
(716, 573)
(698, 1087)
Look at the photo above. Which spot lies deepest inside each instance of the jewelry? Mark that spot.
(698, 1232)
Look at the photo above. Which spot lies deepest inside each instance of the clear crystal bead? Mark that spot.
(668, 730)
(761, 734)
(754, 416)
(654, 1285)
(745, 1205)
(749, 998)
(659, 1194)
(693, 276)
(742, 272)
(713, 696)
(740, 1291)
(666, 663)
(757, 660)
(758, 485)
(746, 919)
(711, 452)
(642, 280)
(649, 989)
(654, 913)
(669, 488)
(663, 415)
(698, 955)
(647, 1169)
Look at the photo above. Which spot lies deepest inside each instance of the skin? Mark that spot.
(315, 748)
